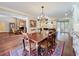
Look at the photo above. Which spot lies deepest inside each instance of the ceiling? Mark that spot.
(51, 9)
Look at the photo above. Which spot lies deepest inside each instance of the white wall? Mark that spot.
(5, 21)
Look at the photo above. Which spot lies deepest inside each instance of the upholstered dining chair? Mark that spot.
(48, 44)
(27, 44)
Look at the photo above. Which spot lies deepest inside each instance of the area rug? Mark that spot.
(58, 51)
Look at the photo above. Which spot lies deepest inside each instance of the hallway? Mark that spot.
(68, 49)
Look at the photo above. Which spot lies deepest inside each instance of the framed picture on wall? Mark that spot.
(12, 27)
(21, 23)
(32, 23)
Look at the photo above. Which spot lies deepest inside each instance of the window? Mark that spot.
(63, 26)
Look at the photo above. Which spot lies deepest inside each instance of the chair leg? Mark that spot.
(24, 44)
(39, 50)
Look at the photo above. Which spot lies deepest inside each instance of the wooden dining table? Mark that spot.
(37, 38)
(9, 42)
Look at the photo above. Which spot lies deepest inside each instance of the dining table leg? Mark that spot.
(37, 49)
(29, 48)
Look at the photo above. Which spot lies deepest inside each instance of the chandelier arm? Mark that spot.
(42, 11)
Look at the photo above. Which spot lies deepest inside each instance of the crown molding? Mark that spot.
(12, 12)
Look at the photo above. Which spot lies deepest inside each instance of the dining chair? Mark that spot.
(27, 44)
(47, 45)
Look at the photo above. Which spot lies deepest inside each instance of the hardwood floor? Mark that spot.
(9, 42)
(68, 49)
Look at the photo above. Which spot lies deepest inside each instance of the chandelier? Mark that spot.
(43, 16)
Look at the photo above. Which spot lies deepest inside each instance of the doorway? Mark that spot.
(63, 27)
